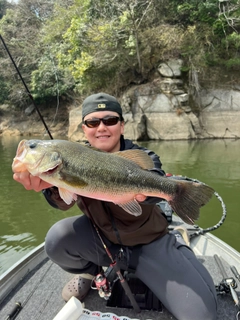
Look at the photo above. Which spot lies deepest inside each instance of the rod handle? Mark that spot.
(220, 266)
(15, 310)
(234, 296)
(235, 272)
(126, 287)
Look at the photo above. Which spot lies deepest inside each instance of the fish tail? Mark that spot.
(190, 196)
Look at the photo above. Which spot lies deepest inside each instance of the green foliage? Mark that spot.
(3, 7)
(233, 63)
(49, 80)
(90, 45)
(233, 40)
(19, 27)
(201, 11)
(4, 91)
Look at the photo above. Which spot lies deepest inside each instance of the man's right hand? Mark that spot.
(31, 182)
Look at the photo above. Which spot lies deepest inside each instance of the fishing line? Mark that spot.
(26, 88)
(217, 225)
(201, 231)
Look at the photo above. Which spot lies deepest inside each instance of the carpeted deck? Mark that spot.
(40, 295)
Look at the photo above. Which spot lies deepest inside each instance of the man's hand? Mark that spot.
(31, 182)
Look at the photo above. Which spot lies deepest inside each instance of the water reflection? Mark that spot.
(13, 247)
(26, 217)
(216, 163)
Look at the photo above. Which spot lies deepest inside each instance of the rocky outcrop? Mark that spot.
(160, 110)
(27, 122)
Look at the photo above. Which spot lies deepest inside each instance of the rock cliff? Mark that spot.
(160, 110)
(163, 109)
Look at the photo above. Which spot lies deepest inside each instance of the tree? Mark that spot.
(81, 46)
(49, 80)
(20, 28)
(103, 43)
(3, 7)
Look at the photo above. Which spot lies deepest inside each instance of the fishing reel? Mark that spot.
(225, 284)
(103, 286)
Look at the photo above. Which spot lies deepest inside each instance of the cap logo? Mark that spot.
(101, 105)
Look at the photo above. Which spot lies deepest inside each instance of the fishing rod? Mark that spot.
(26, 88)
(115, 266)
(228, 284)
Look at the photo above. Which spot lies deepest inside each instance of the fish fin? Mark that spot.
(189, 198)
(132, 207)
(139, 157)
(67, 196)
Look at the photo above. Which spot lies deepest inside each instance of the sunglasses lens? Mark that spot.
(92, 123)
(107, 121)
(110, 121)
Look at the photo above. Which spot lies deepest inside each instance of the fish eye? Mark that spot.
(32, 144)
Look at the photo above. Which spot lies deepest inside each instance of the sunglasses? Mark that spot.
(107, 121)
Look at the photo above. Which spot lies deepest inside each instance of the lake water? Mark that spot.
(25, 216)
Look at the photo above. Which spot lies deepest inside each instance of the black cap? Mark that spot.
(100, 102)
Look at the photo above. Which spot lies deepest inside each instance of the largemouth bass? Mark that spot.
(115, 177)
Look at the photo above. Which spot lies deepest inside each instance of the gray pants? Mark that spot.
(167, 266)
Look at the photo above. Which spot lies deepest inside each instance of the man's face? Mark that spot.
(103, 137)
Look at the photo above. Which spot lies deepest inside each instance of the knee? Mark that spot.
(65, 236)
(55, 238)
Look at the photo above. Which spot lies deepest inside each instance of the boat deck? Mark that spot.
(40, 295)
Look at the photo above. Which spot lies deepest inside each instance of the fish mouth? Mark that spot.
(21, 150)
(17, 165)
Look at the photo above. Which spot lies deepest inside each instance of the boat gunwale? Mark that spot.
(11, 277)
(208, 245)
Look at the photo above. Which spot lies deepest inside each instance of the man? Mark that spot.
(162, 260)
